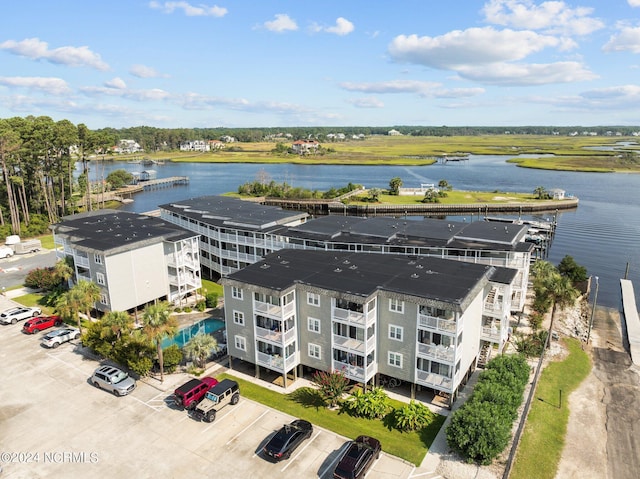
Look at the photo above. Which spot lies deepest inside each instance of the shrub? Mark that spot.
(201, 306)
(373, 404)
(211, 299)
(42, 278)
(479, 431)
(535, 320)
(413, 416)
(140, 365)
(187, 309)
(172, 357)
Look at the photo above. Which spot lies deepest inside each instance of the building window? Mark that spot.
(100, 279)
(238, 318)
(313, 299)
(241, 343)
(395, 332)
(236, 292)
(313, 325)
(97, 258)
(104, 299)
(314, 351)
(394, 359)
(396, 306)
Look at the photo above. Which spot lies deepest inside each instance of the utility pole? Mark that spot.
(593, 311)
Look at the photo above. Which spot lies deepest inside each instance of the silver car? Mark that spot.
(114, 380)
(59, 336)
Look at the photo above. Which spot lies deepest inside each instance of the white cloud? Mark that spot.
(189, 10)
(422, 88)
(366, 102)
(143, 71)
(634, 3)
(51, 86)
(36, 49)
(527, 74)
(628, 40)
(550, 16)
(342, 27)
(117, 83)
(281, 23)
(621, 92)
(474, 46)
(153, 94)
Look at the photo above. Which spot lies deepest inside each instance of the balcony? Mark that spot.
(491, 333)
(434, 380)
(276, 362)
(274, 309)
(438, 324)
(349, 316)
(436, 351)
(81, 261)
(355, 373)
(353, 344)
(276, 336)
(83, 277)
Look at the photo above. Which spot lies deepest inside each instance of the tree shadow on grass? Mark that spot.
(308, 397)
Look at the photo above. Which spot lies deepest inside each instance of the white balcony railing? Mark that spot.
(348, 343)
(81, 261)
(491, 333)
(436, 351)
(431, 322)
(277, 362)
(434, 380)
(267, 308)
(355, 373)
(349, 316)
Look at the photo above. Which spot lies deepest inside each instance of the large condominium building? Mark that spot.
(236, 233)
(135, 259)
(419, 319)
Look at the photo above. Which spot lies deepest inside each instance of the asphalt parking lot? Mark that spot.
(53, 423)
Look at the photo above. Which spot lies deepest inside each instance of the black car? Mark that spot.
(357, 458)
(287, 439)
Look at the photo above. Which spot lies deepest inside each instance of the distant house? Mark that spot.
(147, 175)
(197, 145)
(557, 193)
(394, 133)
(125, 147)
(303, 147)
(227, 139)
(216, 145)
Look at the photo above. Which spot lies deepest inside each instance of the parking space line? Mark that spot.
(143, 402)
(333, 463)
(65, 362)
(300, 451)
(216, 421)
(240, 433)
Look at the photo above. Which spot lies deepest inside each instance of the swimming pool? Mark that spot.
(207, 325)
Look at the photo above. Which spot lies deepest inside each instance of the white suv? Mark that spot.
(13, 315)
(113, 379)
(59, 336)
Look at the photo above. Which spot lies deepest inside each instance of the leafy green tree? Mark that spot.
(374, 194)
(444, 185)
(172, 357)
(200, 347)
(332, 385)
(42, 278)
(479, 431)
(118, 323)
(413, 416)
(541, 193)
(158, 324)
(394, 185)
(431, 196)
(119, 178)
(572, 270)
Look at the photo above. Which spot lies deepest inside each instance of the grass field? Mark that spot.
(305, 404)
(423, 150)
(454, 197)
(543, 439)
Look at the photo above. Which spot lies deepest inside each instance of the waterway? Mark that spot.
(602, 234)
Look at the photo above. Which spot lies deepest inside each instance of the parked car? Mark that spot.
(33, 325)
(5, 252)
(287, 439)
(357, 458)
(59, 336)
(18, 313)
(191, 393)
(225, 392)
(113, 380)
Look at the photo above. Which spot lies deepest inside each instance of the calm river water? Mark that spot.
(602, 234)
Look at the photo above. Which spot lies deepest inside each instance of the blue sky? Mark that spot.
(267, 63)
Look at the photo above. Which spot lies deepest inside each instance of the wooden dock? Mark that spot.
(125, 193)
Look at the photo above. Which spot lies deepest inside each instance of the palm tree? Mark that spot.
(89, 293)
(117, 322)
(64, 270)
(199, 347)
(540, 192)
(561, 292)
(67, 307)
(158, 325)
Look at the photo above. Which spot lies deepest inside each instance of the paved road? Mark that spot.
(13, 270)
(613, 367)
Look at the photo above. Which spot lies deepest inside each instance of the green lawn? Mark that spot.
(304, 403)
(212, 287)
(543, 439)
